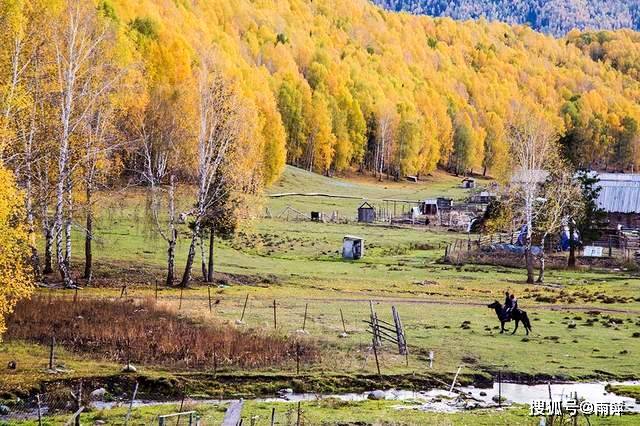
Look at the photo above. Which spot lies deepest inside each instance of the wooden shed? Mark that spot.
(366, 213)
(429, 207)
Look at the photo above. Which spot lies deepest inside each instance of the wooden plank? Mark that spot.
(234, 413)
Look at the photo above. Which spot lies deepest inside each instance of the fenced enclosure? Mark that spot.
(612, 246)
(389, 212)
(57, 407)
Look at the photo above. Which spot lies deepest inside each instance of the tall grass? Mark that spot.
(148, 333)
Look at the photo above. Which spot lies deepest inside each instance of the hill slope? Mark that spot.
(339, 71)
(332, 85)
(551, 16)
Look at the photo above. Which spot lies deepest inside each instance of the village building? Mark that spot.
(484, 197)
(468, 183)
(619, 197)
(366, 213)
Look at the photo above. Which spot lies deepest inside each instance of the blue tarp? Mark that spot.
(565, 239)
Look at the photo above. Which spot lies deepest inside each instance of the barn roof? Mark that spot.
(365, 205)
(619, 193)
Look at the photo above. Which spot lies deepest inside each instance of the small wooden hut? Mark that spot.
(366, 213)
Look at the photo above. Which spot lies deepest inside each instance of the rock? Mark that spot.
(129, 368)
(286, 391)
(98, 394)
(302, 332)
(99, 422)
(4, 410)
(376, 395)
(239, 322)
(343, 335)
(483, 394)
(11, 365)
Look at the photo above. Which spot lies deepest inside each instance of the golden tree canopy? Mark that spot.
(16, 281)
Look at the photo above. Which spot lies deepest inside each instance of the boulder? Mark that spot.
(129, 368)
(376, 395)
(98, 394)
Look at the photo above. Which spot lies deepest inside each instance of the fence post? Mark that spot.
(79, 404)
(244, 308)
(344, 327)
(51, 352)
(39, 410)
(375, 354)
(304, 321)
(275, 319)
(135, 392)
(499, 388)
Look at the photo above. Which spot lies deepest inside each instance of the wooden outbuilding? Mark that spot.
(366, 213)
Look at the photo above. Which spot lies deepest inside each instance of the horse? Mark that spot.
(517, 315)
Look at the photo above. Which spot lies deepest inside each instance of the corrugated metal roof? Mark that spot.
(619, 193)
(629, 177)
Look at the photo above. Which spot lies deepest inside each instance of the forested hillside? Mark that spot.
(550, 16)
(326, 85)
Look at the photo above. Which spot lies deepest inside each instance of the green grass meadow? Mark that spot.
(586, 323)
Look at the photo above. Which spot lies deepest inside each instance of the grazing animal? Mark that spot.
(517, 315)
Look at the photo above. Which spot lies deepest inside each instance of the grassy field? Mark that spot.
(328, 412)
(586, 323)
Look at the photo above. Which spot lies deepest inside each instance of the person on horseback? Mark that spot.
(510, 307)
(506, 309)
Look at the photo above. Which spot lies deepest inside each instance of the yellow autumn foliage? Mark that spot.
(16, 281)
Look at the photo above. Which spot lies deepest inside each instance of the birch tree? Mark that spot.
(532, 141)
(161, 133)
(78, 44)
(384, 139)
(219, 132)
(560, 202)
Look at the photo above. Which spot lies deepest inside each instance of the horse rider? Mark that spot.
(508, 305)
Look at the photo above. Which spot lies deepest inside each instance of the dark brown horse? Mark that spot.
(517, 315)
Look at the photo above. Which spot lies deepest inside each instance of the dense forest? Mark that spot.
(220, 95)
(550, 16)
(329, 85)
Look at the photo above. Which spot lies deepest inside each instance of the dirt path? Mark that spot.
(441, 302)
(581, 308)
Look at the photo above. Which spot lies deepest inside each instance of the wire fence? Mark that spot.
(62, 407)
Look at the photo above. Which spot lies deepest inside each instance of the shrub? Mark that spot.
(148, 333)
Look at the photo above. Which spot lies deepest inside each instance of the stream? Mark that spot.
(443, 401)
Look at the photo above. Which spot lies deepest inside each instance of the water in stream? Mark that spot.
(464, 398)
